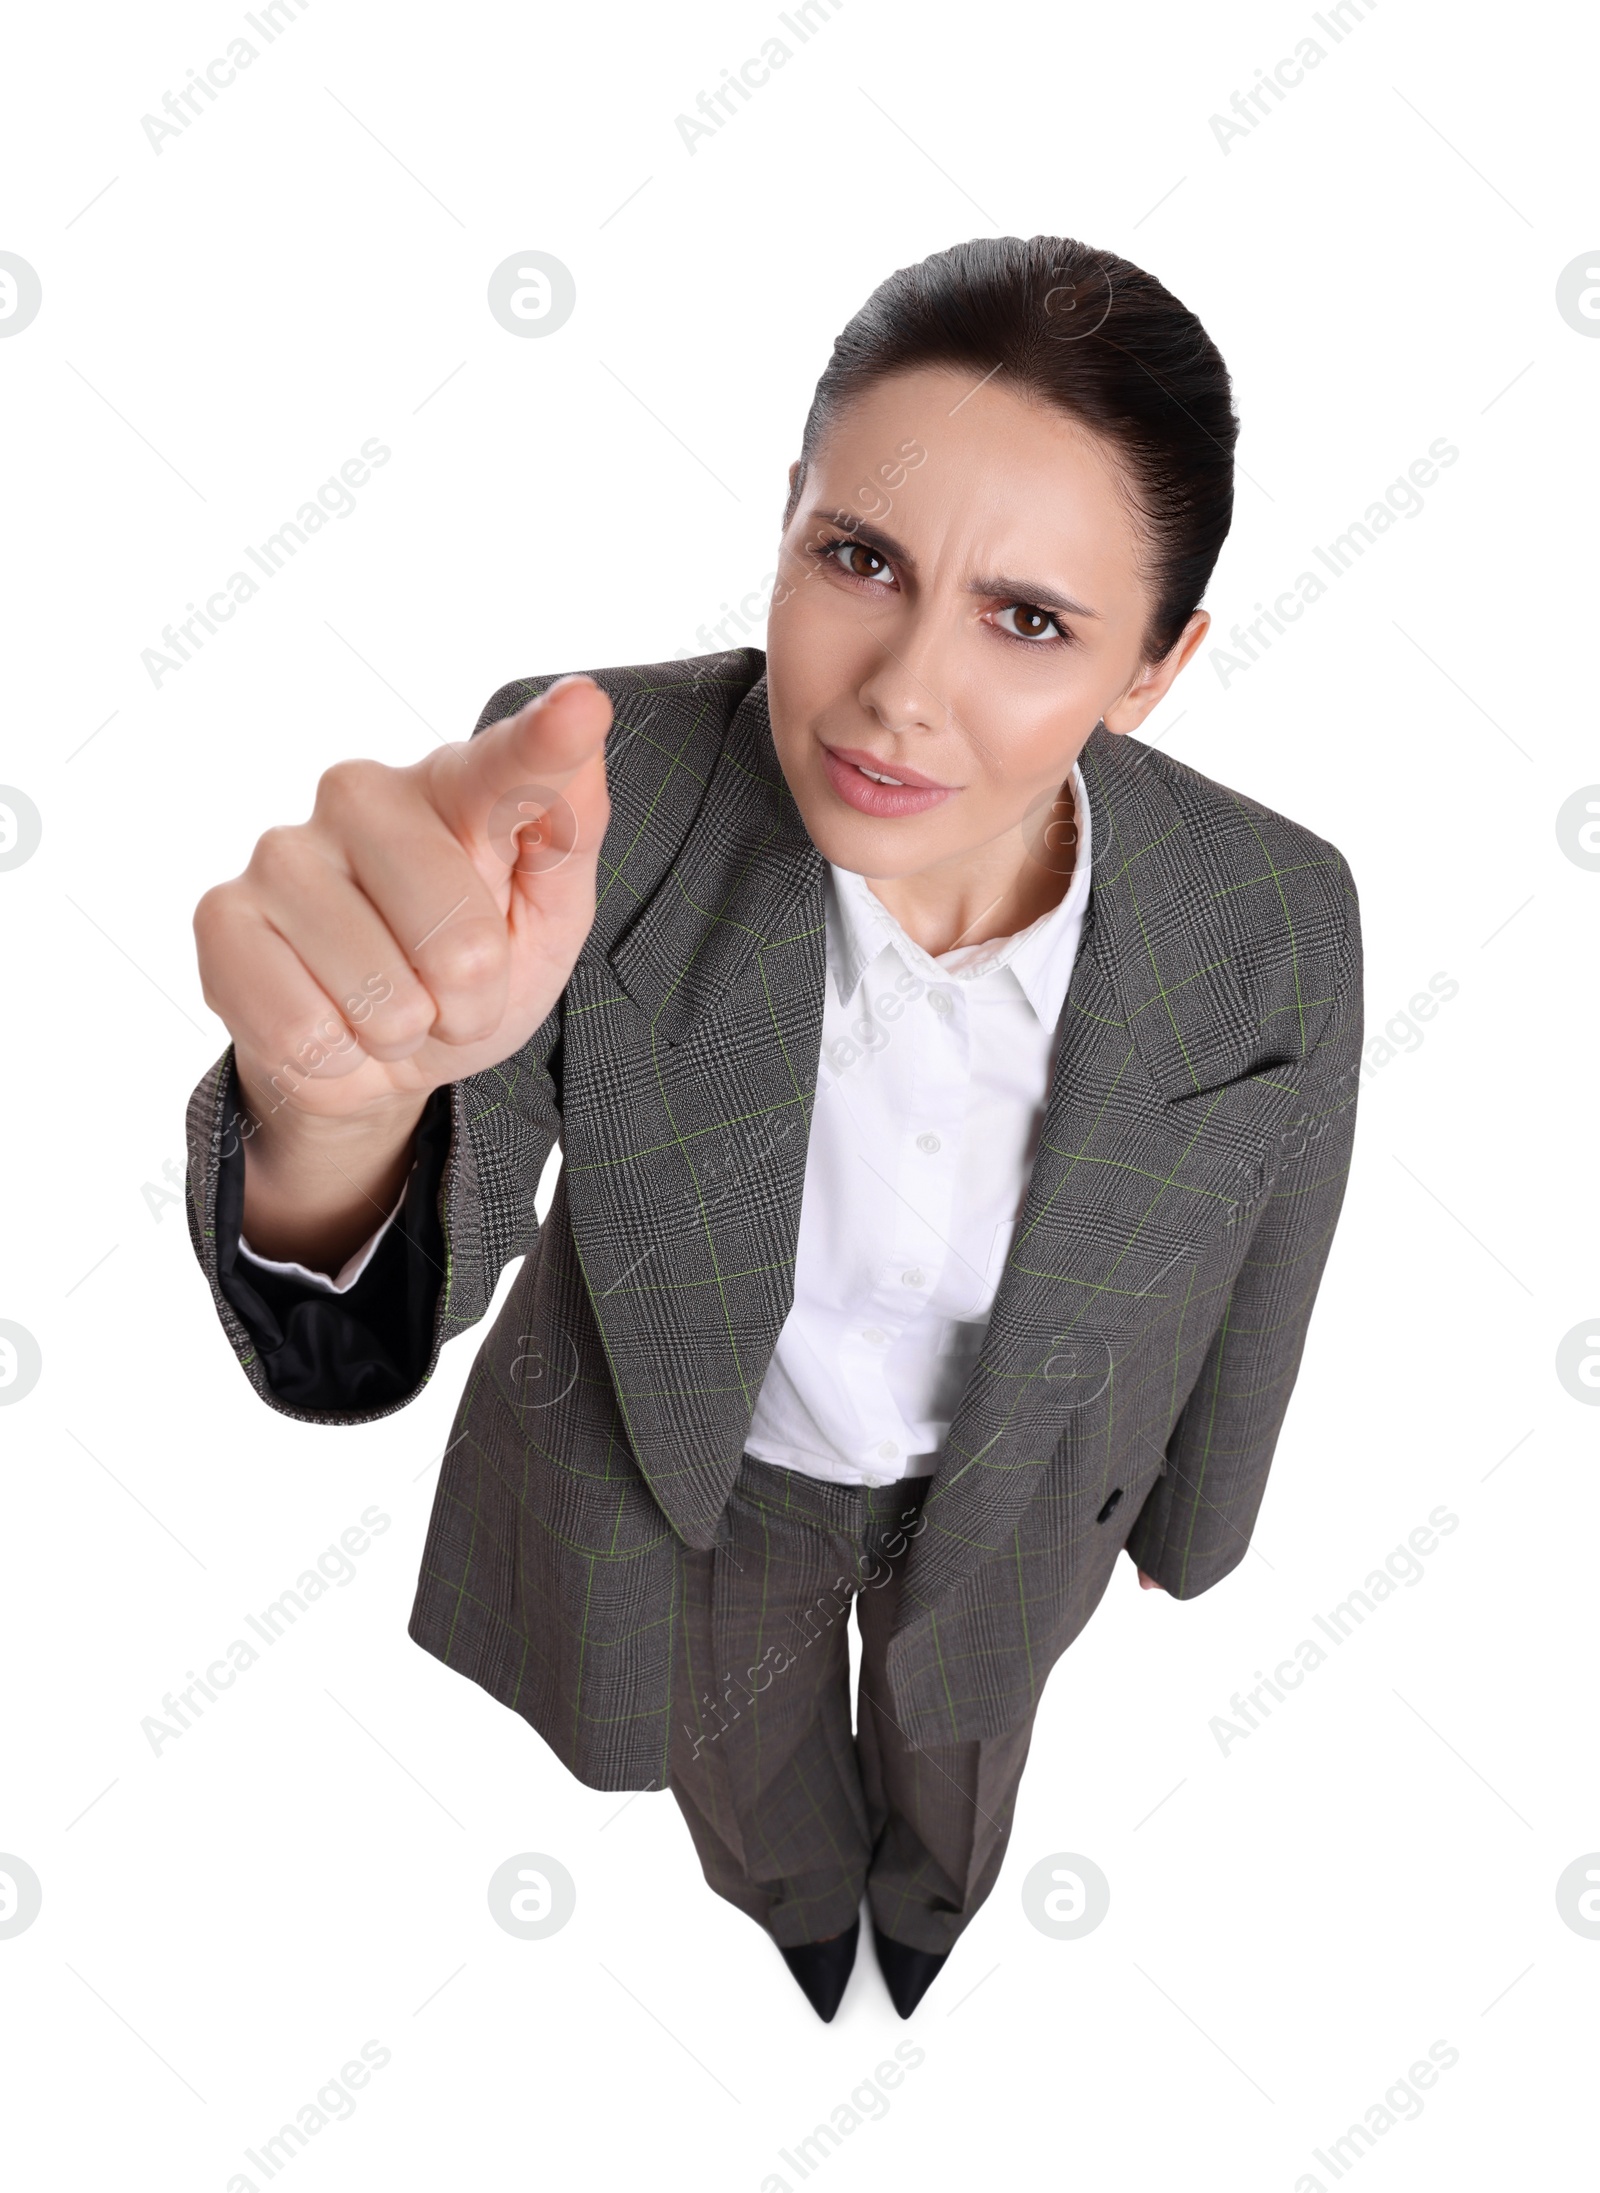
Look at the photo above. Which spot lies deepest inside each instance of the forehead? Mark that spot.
(1006, 475)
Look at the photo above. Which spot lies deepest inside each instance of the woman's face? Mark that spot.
(959, 601)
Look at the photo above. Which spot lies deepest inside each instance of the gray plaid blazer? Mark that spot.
(1151, 1314)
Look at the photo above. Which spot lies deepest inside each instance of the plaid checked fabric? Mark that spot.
(1148, 1326)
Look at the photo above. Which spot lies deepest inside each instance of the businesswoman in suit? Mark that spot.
(955, 1096)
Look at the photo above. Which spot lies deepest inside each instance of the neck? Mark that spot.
(991, 891)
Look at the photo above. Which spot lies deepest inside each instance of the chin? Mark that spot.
(861, 845)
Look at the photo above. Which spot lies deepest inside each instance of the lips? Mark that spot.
(857, 777)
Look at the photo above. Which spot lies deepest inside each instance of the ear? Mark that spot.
(1154, 681)
(797, 474)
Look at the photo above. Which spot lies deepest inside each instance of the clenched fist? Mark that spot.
(417, 929)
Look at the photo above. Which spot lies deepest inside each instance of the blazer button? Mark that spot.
(1110, 1504)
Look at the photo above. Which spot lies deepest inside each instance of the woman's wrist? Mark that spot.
(315, 1188)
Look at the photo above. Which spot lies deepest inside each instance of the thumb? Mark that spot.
(548, 746)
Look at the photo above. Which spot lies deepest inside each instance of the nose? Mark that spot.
(907, 688)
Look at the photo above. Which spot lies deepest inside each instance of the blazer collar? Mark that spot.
(1162, 930)
(745, 870)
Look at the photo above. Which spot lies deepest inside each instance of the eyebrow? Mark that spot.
(1028, 591)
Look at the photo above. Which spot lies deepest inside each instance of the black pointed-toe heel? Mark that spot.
(823, 1969)
(907, 1973)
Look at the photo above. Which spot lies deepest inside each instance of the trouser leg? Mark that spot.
(940, 1815)
(763, 1763)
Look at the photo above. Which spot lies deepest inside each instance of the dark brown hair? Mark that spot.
(1099, 339)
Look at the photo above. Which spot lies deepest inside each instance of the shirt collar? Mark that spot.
(1040, 958)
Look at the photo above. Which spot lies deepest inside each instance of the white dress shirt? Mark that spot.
(931, 1089)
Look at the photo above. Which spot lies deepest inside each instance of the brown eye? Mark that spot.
(1027, 623)
(858, 559)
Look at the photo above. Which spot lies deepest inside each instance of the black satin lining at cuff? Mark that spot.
(365, 1348)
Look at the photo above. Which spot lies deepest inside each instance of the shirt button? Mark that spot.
(939, 1000)
(914, 1279)
(928, 1144)
(888, 1450)
(872, 1333)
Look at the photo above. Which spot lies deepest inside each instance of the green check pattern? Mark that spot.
(1149, 1324)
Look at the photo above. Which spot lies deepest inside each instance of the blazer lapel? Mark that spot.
(1144, 1148)
(689, 1076)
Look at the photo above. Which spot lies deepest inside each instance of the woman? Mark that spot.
(955, 1097)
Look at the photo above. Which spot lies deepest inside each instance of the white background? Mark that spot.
(1372, 1870)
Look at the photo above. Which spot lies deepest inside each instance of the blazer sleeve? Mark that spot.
(1195, 1526)
(468, 1211)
